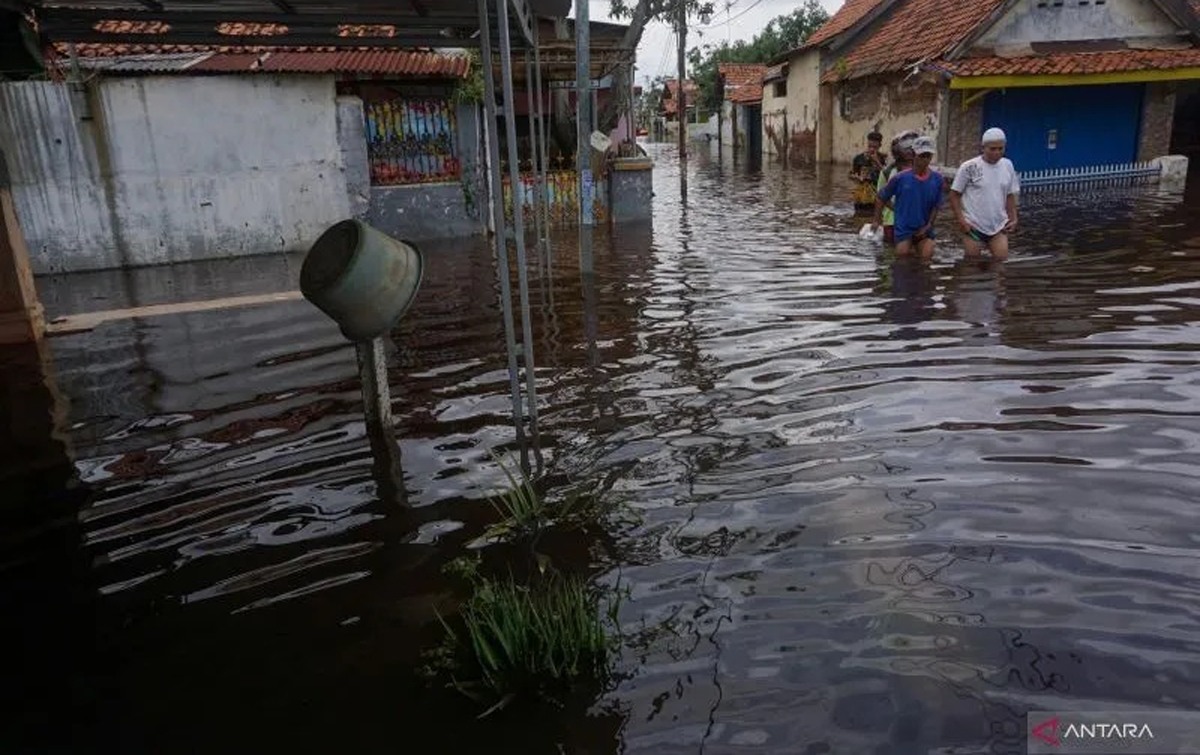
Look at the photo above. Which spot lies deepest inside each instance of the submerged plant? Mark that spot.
(525, 641)
(522, 509)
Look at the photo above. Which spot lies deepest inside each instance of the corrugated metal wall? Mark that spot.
(170, 169)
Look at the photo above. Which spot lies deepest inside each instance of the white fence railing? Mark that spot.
(1122, 174)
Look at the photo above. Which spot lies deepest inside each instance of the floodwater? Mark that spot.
(882, 507)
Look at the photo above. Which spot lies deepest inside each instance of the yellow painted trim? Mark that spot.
(1073, 79)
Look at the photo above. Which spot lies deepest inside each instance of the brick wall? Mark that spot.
(964, 127)
(1158, 116)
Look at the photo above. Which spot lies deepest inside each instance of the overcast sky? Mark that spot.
(742, 20)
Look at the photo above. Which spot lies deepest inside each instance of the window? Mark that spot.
(412, 140)
(781, 88)
(844, 103)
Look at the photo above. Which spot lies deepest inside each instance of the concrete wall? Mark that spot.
(425, 211)
(886, 104)
(1158, 120)
(964, 127)
(152, 170)
(1074, 21)
(803, 90)
(775, 120)
(354, 154)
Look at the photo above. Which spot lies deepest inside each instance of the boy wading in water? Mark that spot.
(902, 159)
(914, 195)
(984, 198)
(865, 172)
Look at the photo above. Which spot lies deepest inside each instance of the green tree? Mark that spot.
(781, 34)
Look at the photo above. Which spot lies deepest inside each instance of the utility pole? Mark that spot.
(682, 110)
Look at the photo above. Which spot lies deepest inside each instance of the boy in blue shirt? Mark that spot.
(914, 195)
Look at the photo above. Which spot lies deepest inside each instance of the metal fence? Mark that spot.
(562, 198)
(1123, 174)
(411, 141)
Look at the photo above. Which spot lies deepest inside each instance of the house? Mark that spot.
(1072, 82)
(792, 84)
(114, 165)
(668, 108)
(741, 106)
(148, 154)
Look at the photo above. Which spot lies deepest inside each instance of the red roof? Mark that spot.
(242, 59)
(851, 12)
(407, 63)
(671, 95)
(1074, 62)
(747, 94)
(743, 81)
(917, 30)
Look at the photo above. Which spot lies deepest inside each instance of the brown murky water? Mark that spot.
(885, 507)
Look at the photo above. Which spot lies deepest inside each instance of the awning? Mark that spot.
(291, 23)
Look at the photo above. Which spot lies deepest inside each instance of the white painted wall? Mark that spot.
(1114, 19)
(172, 168)
(804, 90)
(799, 108)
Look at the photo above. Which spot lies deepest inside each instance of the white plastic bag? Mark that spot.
(867, 234)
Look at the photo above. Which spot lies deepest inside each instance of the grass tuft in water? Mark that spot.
(523, 511)
(518, 641)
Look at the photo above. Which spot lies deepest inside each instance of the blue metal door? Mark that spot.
(1067, 127)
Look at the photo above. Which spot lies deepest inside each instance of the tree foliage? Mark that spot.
(781, 34)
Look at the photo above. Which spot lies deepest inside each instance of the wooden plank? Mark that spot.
(90, 320)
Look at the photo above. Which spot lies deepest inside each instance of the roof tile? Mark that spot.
(851, 12)
(917, 30)
(743, 81)
(1074, 63)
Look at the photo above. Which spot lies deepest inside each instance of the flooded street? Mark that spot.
(881, 507)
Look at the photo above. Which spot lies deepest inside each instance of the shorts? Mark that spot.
(983, 238)
(907, 234)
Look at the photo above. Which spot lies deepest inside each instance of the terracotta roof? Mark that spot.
(747, 94)
(851, 12)
(236, 59)
(1074, 62)
(743, 81)
(407, 63)
(917, 30)
(777, 72)
(671, 96)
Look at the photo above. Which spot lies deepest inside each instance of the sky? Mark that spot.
(742, 20)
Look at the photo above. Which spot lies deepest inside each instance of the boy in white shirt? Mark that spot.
(984, 197)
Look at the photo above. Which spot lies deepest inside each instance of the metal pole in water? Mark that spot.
(681, 111)
(500, 239)
(544, 156)
(514, 171)
(583, 119)
(535, 155)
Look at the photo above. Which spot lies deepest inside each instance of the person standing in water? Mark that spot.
(902, 159)
(984, 198)
(915, 196)
(865, 172)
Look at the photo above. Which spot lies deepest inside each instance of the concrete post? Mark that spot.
(21, 317)
(377, 408)
(1174, 172)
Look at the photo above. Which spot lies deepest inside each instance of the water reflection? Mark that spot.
(883, 506)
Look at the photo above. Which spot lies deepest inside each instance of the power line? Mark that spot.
(733, 18)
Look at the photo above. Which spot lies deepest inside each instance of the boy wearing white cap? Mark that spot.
(984, 197)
